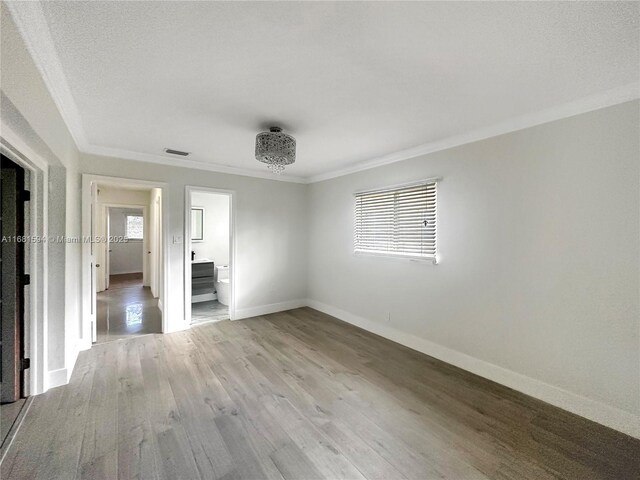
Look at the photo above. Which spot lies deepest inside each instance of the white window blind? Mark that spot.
(399, 221)
(134, 227)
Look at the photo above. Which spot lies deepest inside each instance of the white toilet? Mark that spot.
(221, 282)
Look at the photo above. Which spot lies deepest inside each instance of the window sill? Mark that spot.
(404, 258)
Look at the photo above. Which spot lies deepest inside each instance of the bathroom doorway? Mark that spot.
(208, 255)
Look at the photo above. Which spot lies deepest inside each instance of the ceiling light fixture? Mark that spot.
(276, 149)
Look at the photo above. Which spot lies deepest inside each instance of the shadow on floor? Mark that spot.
(9, 413)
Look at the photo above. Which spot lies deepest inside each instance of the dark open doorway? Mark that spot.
(14, 281)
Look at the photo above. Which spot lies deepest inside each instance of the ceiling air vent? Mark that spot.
(176, 152)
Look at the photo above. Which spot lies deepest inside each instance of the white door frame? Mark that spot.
(155, 241)
(189, 189)
(87, 181)
(36, 325)
(107, 253)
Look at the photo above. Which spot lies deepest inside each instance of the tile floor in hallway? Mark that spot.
(126, 309)
(213, 310)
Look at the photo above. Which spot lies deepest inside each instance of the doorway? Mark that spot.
(124, 265)
(126, 306)
(14, 221)
(124, 262)
(209, 279)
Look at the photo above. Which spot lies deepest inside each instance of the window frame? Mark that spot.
(391, 255)
(126, 227)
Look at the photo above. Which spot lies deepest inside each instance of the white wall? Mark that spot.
(216, 227)
(271, 233)
(32, 122)
(538, 282)
(125, 257)
(73, 271)
(56, 286)
(123, 196)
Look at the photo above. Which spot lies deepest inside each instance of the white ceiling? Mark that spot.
(353, 82)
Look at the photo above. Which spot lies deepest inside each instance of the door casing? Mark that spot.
(36, 322)
(189, 189)
(89, 184)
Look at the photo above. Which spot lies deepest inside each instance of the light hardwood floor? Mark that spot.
(9, 413)
(298, 395)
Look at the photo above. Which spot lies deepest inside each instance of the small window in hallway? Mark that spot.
(134, 227)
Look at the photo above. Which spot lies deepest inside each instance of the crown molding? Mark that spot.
(597, 101)
(590, 103)
(185, 163)
(15, 144)
(32, 25)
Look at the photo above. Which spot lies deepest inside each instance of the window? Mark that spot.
(134, 227)
(398, 221)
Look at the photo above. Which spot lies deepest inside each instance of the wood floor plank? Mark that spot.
(319, 448)
(137, 457)
(243, 407)
(211, 455)
(29, 455)
(294, 464)
(100, 439)
(329, 399)
(75, 409)
(355, 392)
(475, 457)
(172, 444)
(236, 438)
(363, 457)
(298, 395)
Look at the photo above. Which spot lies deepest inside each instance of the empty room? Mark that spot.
(320, 240)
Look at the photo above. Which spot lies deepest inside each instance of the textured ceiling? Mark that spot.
(351, 81)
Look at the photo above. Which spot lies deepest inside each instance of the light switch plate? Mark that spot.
(177, 239)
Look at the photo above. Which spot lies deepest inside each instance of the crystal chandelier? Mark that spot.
(276, 149)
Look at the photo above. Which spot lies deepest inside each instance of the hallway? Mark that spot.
(126, 309)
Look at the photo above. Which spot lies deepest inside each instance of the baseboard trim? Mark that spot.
(270, 308)
(57, 378)
(612, 417)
